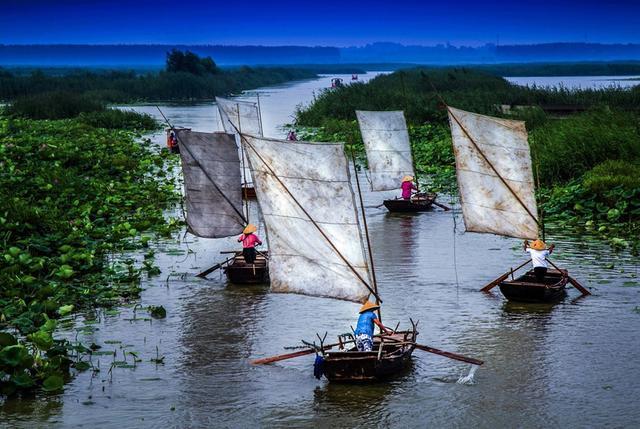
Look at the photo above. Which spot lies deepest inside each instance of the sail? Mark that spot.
(213, 211)
(301, 259)
(242, 116)
(386, 141)
(500, 201)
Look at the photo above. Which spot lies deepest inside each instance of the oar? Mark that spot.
(208, 271)
(497, 281)
(573, 281)
(442, 206)
(449, 354)
(292, 355)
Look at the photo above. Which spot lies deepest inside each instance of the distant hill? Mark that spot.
(154, 55)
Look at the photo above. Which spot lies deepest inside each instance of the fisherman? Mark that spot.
(539, 252)
(407, 186)
(249, 242)
(364, 329)
(292, 136)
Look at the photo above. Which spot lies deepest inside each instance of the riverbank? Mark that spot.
(117, 86)
(74, 196)
(587, 163)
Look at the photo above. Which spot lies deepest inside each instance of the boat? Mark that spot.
(241, 117)
(497, 195)
(390, 157)
(214, 209)
(238, 271)
(390, 356)
(354, 77)
(337, 82)
(527, 289)
(317, 201)
(418, 203)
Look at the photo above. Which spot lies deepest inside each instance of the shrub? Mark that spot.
(53, 105)
(612, 174)
(119, 119)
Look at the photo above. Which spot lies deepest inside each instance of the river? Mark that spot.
(573, 364)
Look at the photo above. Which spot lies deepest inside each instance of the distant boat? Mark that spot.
(354, 77)
(337, 82)
(390, 157)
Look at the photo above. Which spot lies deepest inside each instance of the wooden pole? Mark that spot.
(244, 175)
(366, 232)
(260, 114)
(450, 355)
(208, 271)
(313, 222)
(497, 281)
(199, 165)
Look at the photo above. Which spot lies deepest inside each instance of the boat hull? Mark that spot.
(526, 289)
(413, 205)
(240, 272)
(353, 366)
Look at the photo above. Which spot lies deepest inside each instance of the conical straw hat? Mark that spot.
(407, 179)
(538, 245)
(368, 306)
(249, 229)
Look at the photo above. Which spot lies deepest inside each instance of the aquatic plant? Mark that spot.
(72, 198)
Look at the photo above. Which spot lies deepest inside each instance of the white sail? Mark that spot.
(500, 201)
(242, 116)
(301, 259)
(212, 210)
(386, 141)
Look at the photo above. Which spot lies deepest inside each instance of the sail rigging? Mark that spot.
(386, 141)
(316, 245)
(495, 178)
(211, 170)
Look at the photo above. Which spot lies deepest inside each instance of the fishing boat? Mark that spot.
(497, 195)
(337, 82)
(420, 202)
(354, 77)
(526, 289)
(390, 356)
(238, 271)
(214, 209)
(241, 117)
(301, 197)
(390, 157)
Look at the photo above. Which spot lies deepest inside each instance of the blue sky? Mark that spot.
(323, 22)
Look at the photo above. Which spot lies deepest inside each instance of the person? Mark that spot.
(364, 329)
(407, 186)
(249, 242)
(292, 136)
(539, 252)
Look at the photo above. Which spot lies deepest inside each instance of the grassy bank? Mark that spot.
(574, 156)
(74, 194)
(186, 77)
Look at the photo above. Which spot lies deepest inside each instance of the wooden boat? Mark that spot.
(419, 203)
(391, 354)
(527, 289)
(238, 271)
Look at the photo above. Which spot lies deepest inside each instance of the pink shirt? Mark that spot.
(406, 189)
(249, 240)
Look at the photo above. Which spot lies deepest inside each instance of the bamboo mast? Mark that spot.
(366, 232)
(244, 174)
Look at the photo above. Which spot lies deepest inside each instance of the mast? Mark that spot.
(366, 232)
(259, 114)
(244, 174)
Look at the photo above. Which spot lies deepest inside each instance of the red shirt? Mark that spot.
(249, 240)
(406, 189)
